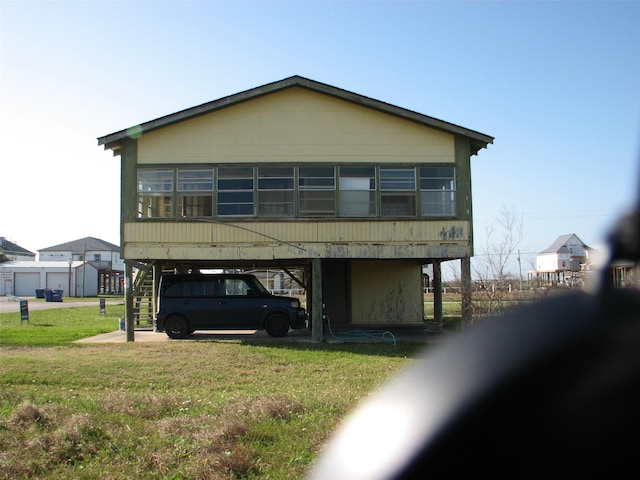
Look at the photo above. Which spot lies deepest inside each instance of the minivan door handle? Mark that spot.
(223, 302)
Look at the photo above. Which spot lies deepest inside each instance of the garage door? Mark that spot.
(26, 284)
(58, 281)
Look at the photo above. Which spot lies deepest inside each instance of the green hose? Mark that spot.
(384, 335)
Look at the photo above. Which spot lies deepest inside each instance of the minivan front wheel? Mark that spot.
(176, 327)
(277, 325)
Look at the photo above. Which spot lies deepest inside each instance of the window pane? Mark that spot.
(357, 192)
(398, 192)
(235, 286)
(437, 172)
(235, 184)
(235, 191)
(275, 203)
(317, 183)
(316, 178)
(437, 191)
(195, 205)
(398, 204)
(436, 184)
(278, 175)
(235, 209)
(150, 180)
(275, 183)
(275, 191)
(397, 179)
(317, 203)
(316, 187)
(438, 203)
(155, 206)
(190, 180)
(235, 197)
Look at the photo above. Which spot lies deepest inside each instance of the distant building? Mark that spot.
(102, 255)
(80, 268)
(15, 252)
(570, 261)
(90, 249)
(23, 279)
(566, 260)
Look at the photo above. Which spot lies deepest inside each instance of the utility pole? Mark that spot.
(520, 267)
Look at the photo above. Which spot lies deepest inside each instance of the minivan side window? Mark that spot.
(194, 288)
(236, 286)
(173, 290)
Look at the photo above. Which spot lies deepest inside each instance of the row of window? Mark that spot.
(302, 191)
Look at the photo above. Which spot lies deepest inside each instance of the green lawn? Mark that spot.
(57, 326)
(172, 410)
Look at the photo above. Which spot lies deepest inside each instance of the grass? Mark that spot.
(172, 410)
(57, 326)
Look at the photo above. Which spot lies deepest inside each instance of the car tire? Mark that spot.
(277, 325)
(176, 327)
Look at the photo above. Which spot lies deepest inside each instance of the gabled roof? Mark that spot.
(80, 246)
(559, 246)
(9, 247)
(114, 140)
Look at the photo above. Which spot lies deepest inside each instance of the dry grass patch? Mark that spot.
(179, 410)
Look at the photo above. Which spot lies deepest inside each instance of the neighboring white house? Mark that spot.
(568, 252)
(564, 260)
(22, 279)
(103, 254)
(15, 252)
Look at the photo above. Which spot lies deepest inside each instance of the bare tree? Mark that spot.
(492, 267)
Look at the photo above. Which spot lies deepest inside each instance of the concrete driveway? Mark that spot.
(344, 335)
(150, 336)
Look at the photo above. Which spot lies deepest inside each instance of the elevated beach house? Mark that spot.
(348, 195)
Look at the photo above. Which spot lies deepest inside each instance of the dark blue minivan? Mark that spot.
(191, 302)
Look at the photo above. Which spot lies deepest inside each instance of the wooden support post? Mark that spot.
(465, 271)
(317, 322)
(128, 302)
(437, 292)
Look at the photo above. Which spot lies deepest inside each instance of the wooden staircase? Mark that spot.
(143, 299)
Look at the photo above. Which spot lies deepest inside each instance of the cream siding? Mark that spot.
(221, 233)
(300, 239)
(386, 293)
(298, 126)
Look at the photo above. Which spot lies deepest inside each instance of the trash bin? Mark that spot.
(48, 295)
(121, 324)
(57, 295)
(39, 292)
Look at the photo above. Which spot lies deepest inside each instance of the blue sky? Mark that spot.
(556, 83)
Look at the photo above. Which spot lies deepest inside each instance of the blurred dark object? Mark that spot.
(548, 390)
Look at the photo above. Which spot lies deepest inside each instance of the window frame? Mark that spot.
(269, 183)
(236, 194)
(201, 199)
(398, 191)
(349, 209)
(448, 206)
(311, 194)
(289, 191)
(156, 200)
